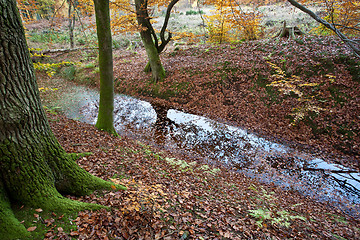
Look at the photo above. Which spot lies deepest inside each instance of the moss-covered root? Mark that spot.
(65, 205)
(72, 179)
(10, 227)
(147, 68)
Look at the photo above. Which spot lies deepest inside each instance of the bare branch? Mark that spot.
(163, 29)
(350, 43)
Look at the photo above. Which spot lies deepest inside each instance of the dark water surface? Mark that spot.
(255, 156)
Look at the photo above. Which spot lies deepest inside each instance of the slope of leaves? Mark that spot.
(233, 83)
(171, 197)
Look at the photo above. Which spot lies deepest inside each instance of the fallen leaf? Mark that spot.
(31, 229)
(74, 233)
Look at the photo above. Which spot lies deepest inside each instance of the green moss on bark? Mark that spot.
(42, 174)
(105, 119)
(157, 70)
(10, 228)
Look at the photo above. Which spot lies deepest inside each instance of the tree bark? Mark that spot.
(164, 41)
(143, 18)
(72, 19)
(105, 120)
(34, 168)
(289, 32)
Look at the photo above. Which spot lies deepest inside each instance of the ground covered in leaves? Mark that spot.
(172, 197)
(305, 91)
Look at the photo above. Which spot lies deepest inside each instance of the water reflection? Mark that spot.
(254, 156)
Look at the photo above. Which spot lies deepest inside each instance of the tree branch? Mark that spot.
(330, 26)
(163, 29)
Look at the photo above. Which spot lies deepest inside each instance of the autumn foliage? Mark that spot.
(230, 22)
(343, 14)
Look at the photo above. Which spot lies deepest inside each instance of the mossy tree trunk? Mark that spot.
(147, 34)
(34, 168)
(105, 120)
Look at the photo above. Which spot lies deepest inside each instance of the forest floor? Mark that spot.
(172, 197)
(304, 92)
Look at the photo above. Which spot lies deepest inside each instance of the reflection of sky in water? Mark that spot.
(255, 156)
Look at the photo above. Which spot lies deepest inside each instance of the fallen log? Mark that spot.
(66, 50)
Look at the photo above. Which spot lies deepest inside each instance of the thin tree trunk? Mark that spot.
(71, 16)
(105, 120)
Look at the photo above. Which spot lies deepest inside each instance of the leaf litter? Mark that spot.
(166, 200)
(171, 196)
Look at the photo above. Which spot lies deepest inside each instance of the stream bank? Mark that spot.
(215, 142)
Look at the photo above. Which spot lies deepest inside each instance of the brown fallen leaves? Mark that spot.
(165, 201)
(232, 83)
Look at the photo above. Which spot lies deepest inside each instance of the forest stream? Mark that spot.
(204, 138)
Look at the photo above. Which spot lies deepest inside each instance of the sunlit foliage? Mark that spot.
(35, 9)
(343, 14)
(230, 22)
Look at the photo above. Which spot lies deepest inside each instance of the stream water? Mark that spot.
(255, 156)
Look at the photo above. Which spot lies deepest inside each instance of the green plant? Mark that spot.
(89, 65)
(268, 210)
(207, 169)
(51, 68)
(69, 72)
(180, 164)
(294, 86)
(52, 110)
(262, 214)
(193, 12)
(96, 70)
(48, 37)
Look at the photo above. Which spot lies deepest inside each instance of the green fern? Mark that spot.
(262, 214)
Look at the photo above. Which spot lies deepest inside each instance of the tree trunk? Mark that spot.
(71, 15)
(164, 41)
(143, 18)
(105, 120)
(289, 32)
(33, 166)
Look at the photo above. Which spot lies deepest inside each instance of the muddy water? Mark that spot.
(255, 156)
